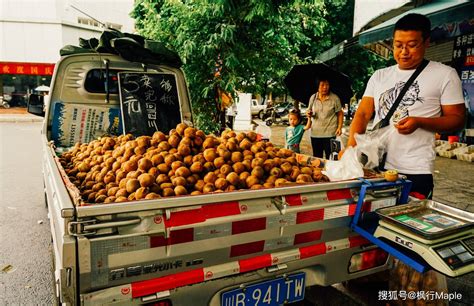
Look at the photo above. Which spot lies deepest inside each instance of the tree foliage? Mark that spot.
(356, 62)
(240, 45)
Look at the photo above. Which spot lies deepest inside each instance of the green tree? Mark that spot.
(252, 44)
(249, 45)
(356, 62)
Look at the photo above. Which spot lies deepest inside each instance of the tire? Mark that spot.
(260, 114)
(269, 122)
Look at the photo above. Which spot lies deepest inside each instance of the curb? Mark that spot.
(20, 118)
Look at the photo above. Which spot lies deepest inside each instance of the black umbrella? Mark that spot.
(301, 81)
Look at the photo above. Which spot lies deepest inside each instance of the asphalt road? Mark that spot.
(25, 260)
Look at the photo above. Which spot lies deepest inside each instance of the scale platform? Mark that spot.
(441, 235)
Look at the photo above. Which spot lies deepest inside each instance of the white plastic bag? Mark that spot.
(373, 145)
(348, 167)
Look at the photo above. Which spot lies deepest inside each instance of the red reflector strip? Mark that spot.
(247, 248)
(255, 263)
(158, 241)
(339, 194)
(352, 209)
(246, 226)
(293, 200)
(199, 215)
(221, 209)
(185, 217)
(309, 216)
(181, 236)
(307, 237)
(167, 282)
(313, 250)
(355, 241)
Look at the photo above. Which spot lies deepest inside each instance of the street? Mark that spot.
(25, 257)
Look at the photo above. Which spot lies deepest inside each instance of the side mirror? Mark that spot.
(36, 105)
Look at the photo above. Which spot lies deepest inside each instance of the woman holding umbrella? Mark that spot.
(326, 111)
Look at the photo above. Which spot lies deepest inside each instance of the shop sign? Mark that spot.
(26, 68)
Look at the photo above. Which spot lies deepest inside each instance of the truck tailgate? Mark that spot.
(179, 241)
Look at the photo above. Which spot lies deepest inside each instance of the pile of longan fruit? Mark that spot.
(184, 162)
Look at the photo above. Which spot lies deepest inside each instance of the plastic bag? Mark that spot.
(371, 146)
(404, 278)
(348, 167)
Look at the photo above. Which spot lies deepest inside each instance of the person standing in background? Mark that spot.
(326, 111)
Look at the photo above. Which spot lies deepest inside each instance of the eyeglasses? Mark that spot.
(410, 46)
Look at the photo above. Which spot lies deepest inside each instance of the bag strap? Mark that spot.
(385, 121)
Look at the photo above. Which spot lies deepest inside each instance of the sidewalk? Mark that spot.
(17, 114)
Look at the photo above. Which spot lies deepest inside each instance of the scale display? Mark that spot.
(441, 234)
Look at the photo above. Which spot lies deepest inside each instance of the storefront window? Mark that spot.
(15, 88)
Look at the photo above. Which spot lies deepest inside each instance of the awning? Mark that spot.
(376, 38)
(439, 12)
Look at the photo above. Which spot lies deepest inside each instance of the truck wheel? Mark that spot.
(260, 115)
(269, 122)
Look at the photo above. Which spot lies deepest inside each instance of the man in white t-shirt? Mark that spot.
(433, 103)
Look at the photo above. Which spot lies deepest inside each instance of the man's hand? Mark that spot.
(339, 155)
(407, 125)
(338, 131)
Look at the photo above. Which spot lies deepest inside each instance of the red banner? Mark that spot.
(26, 68)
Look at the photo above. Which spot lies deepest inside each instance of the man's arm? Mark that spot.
(340, 122)
(361, 119)
(452, 118)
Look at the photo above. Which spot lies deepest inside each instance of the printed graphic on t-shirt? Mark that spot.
(388, 97)
(291, 133)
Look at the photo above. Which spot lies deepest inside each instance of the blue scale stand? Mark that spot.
(368, 228)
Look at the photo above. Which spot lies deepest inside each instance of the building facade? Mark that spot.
(32, 33)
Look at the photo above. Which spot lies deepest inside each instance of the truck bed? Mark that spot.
(152, 246)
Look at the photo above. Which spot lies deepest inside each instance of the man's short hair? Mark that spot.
(414, 22)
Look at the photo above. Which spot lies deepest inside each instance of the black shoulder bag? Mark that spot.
(386, 121)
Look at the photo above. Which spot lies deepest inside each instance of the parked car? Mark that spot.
(257, 109)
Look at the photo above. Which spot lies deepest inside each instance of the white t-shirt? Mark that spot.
(436, 85)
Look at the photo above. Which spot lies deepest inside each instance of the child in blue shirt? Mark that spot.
(294, 133)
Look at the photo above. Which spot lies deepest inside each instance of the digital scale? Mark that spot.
(422, 234)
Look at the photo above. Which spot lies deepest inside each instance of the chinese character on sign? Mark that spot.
(146, 81)
(150, 95)
(34, 69)
(458, 41)
(464, 74)
(166, 85)
(471, 75)
(151, 110)
(469, 39)
(133, 105)
(468, 51)
(6, 69)
(464, 40)
(48, 70)
(20, 69)
(152, 123)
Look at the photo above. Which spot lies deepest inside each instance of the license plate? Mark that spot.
(269, 293)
